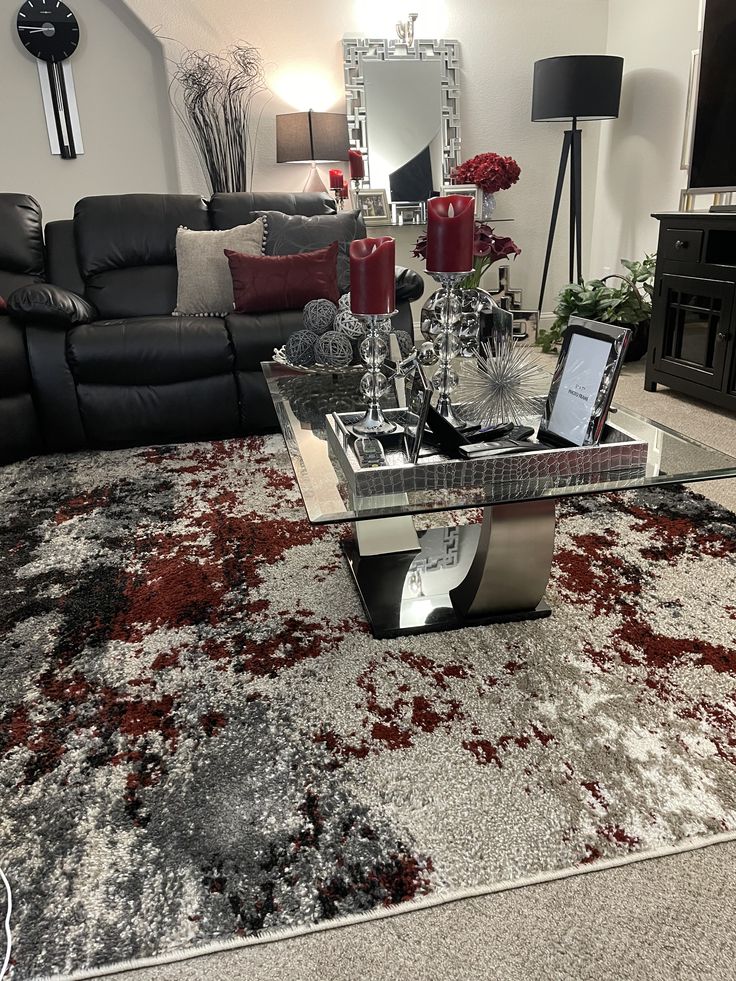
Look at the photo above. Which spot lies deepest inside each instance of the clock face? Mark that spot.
(48, 29)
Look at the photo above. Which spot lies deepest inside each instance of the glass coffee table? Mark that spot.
(412, 581)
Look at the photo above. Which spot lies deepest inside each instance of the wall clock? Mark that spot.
(50, 32)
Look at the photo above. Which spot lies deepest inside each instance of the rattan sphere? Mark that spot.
(348, 324)
(300, 348)
(406, 344)
(319, 315)
(344, 302)
(334, 350)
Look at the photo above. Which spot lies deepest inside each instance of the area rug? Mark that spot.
(201, 744)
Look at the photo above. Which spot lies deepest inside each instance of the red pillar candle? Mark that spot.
(336, 179)
(373, 276)
(357, 165)
(450, 233)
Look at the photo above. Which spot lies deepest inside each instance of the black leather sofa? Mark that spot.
(109, 366)
(21, 263)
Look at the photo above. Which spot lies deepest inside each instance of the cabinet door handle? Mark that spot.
(723, 335)
(681, 244)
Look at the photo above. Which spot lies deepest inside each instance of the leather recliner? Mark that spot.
(21, 263)
(112, 367)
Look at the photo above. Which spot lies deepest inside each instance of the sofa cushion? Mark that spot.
(15, 376)
(290, 234)
(21, 237)
(286, 282)
(229, 210)
(256, 336)
(205, 283)
(149, 350)
(126, 248)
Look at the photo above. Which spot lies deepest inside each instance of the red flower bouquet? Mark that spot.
(489, 171)
(487, 249)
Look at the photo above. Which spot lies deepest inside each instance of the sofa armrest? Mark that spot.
(43, 304)
(409, 285)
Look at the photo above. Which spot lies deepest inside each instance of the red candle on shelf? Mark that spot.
(336, 179)
(373, 276)
(357, 165)
(450, 233)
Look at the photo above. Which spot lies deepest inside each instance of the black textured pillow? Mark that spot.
(291, 234)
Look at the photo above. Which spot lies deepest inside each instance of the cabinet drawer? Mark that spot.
(681, 244)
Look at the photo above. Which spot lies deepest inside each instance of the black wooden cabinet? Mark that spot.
(692, 341)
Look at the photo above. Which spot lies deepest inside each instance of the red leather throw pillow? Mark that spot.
(283, 282)
(3, 305)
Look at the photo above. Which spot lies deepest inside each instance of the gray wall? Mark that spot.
(120, 78)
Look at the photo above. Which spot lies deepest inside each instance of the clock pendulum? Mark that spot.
(50, 32)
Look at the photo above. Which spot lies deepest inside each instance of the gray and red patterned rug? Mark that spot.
(201, 743)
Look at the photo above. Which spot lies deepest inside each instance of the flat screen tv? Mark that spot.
(713, 158)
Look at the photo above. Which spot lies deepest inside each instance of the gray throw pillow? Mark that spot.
(205, 284)
(290, 234)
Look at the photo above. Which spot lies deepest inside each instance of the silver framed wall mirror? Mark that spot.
(403, 113)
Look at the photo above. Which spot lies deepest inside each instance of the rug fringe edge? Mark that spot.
(410, 906)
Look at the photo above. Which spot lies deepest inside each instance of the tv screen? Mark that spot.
(713, 162)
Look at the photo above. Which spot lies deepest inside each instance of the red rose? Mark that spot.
(489, 171)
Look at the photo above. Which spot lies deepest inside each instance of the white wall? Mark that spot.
(500, 40)
(639, 161)
(121, 92)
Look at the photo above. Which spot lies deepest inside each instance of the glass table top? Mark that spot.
(302, 402)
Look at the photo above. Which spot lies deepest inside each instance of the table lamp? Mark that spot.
(574, 88)
(309, 137)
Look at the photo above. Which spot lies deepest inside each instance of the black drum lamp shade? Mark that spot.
(577, 87)
(311, 136)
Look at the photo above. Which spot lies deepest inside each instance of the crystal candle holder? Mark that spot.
(373, 384)
(448, 342)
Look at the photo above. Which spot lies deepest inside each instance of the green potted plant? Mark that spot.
(628, 304)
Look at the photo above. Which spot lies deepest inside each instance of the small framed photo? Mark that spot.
(373, 202)
(469, 190)
(583, 383)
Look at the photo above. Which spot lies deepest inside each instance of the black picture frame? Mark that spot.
(584, 382)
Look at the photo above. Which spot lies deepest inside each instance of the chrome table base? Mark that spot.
(496, 572)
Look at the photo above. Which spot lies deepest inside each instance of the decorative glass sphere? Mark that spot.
(436, 307)
(405, 342)
(344, 302)
(373, 351)
(319, 315)
(427, 355)
(349, 325)
(373, 386)
(447, 346)
(445, 379)
(300, 348)
(334, 350)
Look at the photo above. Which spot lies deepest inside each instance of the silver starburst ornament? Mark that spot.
(503, 383)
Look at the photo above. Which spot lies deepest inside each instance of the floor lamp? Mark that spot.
(573, 89)
(309, 137)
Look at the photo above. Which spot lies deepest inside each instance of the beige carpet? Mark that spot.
(669, 919)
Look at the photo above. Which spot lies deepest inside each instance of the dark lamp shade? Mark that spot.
(311, 135)
(577, 87)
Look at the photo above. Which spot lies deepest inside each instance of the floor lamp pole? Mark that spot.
(572, 153)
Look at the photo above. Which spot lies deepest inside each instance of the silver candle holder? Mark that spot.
(448, 343)
(373, 384)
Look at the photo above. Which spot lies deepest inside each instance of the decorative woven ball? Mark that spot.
(300, 348)
(344, 302)
(319, 315)
(406, 344)
(348, 324)
(334, 350)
